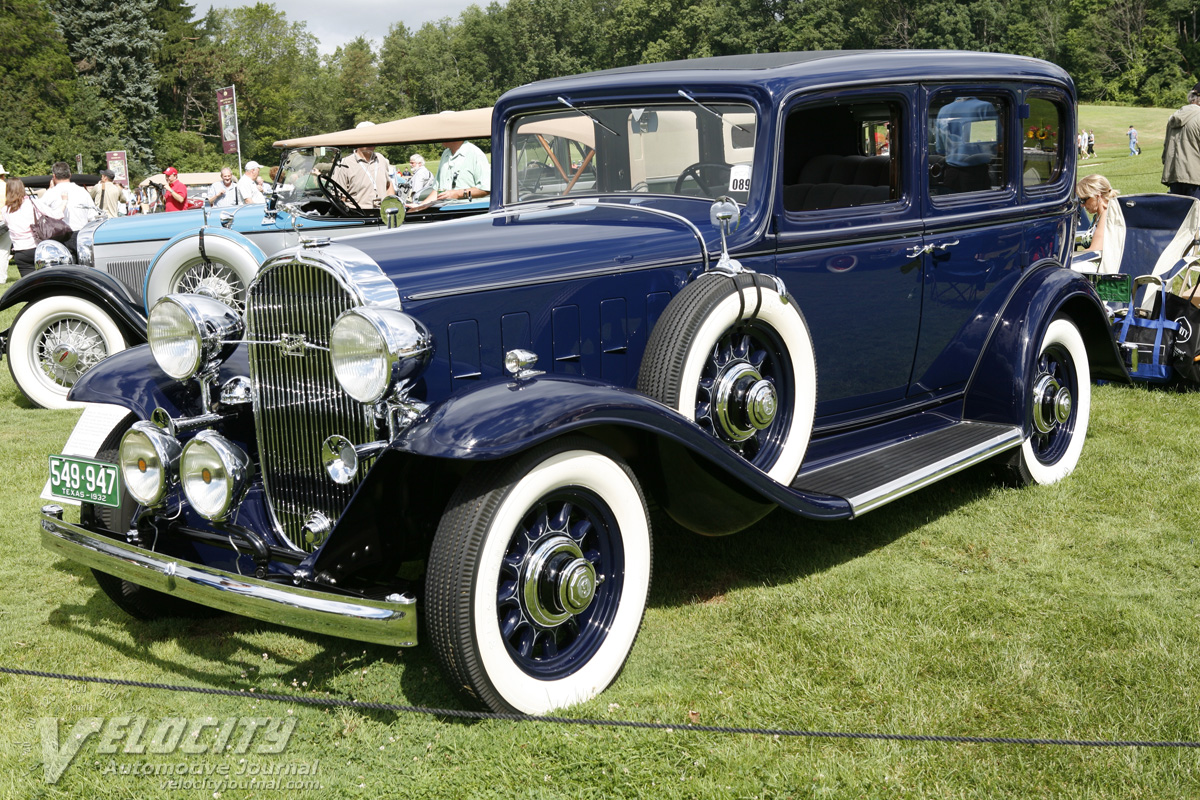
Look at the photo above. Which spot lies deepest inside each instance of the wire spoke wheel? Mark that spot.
(214, 280)
(68, 347)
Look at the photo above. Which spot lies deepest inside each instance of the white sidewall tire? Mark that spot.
(171, 263)
(787, 323)
(1064, 333)
(30, 323)
(608, 481)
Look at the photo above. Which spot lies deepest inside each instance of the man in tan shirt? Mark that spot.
(366, 175)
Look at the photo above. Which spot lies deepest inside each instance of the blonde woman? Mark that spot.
(1099, 199)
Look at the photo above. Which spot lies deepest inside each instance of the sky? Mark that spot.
(337, 23)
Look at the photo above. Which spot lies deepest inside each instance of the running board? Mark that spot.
(881, 476)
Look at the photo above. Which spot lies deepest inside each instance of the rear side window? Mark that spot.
(966, 143)
(842, 155)
(1044, 142)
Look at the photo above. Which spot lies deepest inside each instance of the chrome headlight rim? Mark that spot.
(402, 348)
(164, 452)
(206, 329)
(234, 474)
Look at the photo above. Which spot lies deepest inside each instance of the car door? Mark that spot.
(972, 228)
(850, 241)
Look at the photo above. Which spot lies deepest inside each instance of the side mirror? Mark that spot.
(725, 214)
(391, 211)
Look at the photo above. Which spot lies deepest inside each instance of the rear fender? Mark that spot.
(99, 287)
(214, 244)
(999, 390)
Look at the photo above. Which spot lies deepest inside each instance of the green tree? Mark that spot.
(113, 47)
(37, 82)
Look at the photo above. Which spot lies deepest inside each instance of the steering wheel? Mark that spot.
(697, 172)
(339, 196)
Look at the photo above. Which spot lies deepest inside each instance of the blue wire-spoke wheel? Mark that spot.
(734, 354)
(1060, 406)
(538, 577)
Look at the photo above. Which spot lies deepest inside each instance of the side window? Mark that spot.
(1043, 143)
(966, 144)
(841, 155)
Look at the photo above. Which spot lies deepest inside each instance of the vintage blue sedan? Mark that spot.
(819, 281)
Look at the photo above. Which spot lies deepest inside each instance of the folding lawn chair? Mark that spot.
(1149, 239)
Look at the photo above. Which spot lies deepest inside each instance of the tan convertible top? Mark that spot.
(448, 126)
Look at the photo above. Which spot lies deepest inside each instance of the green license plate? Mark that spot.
(76, 478)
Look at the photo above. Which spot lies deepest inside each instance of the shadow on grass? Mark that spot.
(689, 568)
(218, 651)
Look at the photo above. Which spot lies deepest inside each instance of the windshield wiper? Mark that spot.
(687, 96)
(577, 110)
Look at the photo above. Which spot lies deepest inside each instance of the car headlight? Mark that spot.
(214, 472)
(374, 350)
(149, 462)
(85, 243)
(51, 254)
(190, 334)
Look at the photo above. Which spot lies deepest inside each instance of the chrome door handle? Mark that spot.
(944, 246)
(918, 250)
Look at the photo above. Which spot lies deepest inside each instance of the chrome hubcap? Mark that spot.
(558, 582)
(67, 348)
(745, 402)
(1052, 404)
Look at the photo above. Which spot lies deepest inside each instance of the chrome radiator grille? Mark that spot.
(298, 402)
(130, 273)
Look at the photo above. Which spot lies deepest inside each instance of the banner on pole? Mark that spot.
(227, 110)
(118, 162)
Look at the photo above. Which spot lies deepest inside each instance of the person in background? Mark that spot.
(463, 173)
(1091, 137)
(250, 185)
(110, 196)
(174, 190)
(1181, 148)
(72, 202)
(224, 193)
(3, 250)
(420, 179)
(18, 215)
(1133, 145)
(1099, 199)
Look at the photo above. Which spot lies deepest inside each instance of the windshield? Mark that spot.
(296, 181)
(684, 149)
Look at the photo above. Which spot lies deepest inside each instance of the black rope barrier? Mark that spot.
(597, 723)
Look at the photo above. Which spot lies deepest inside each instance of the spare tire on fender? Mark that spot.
(735, 355)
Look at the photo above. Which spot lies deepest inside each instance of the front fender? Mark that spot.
(500, 419)
(131, 379)
(99, 287)
(999, 390)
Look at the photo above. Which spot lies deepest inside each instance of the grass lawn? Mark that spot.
(1129, 174)
(968, 608)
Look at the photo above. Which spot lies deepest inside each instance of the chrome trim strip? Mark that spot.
(931, 473)
(377, 621)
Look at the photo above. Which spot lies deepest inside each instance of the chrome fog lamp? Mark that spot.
(374, 350)
(190, 334)
(51, 254)
(149, 462)
(214, 472)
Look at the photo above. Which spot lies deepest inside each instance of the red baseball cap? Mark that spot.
(170, 171)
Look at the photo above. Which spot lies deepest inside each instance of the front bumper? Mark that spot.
(392, 621)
